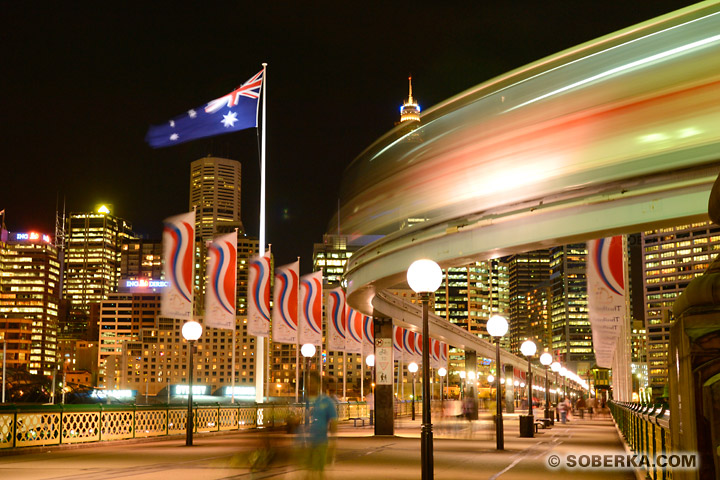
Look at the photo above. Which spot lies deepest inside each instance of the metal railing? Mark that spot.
(646, 429)
(42, 425)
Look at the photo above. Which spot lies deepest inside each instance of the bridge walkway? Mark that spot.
(462, 451)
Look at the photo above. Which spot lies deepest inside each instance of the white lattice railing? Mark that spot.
(36, 425)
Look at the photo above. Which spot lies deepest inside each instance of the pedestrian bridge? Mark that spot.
(618, 135)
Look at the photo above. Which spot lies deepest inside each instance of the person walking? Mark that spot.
(563, 408)
(323, 415)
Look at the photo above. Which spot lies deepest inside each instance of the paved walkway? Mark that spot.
(460, 453)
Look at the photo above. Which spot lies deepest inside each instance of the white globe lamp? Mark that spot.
(424, 276)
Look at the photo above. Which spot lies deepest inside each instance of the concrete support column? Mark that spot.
(509, 375)
(471, 383)
(384, 376)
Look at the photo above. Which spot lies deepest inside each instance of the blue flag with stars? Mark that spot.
(235, 111)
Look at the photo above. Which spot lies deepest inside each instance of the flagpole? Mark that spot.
(232, 367)
(297, 371)
(344, 376)
(362, 374)
(260, 341)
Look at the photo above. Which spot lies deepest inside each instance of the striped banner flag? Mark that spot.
(285, 302)
(179, 261)
(354, 338)
(444, 355)
(368, 336)
(408, 346)
(418, 348)
(258, 295)
(221, 282)
(435, 353)
(311, 308)
(398, 341)
(336, 313)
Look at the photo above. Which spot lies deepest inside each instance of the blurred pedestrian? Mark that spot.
(323, 415)
(563, 408)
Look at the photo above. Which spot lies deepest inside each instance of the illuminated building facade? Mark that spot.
(123, 316)
(469, 295)
(526, 271)
(93, 248)
(537, 310)
(571, 334)
(671, 258)
(141, 259)
(158, 357)
(29, 298)
(215, 194)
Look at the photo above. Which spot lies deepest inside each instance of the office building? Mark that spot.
(158, 358)
(525, 271)
(29, 298)
(123, 316)
(141, 259)
(571, 333)
(93, 248)
(215, 194)
(671, 258)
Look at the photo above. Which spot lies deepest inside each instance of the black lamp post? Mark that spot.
(413, 368)
(307, 351)
(528, 348)
(191, 331)
(497, 326)
(545, 360)
(424, 277)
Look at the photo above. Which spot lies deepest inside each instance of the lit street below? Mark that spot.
(459, 454)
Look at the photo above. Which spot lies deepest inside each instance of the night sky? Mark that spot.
(82, 82)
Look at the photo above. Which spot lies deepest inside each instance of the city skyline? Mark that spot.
(110, 73)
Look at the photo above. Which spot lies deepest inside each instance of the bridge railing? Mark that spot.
(42, 425)
(646, 429)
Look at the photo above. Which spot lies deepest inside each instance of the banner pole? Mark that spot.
(297, 371)
(259, 342)
(232, 368)
(344, 376)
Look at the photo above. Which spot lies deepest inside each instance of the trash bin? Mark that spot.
(551, 416)
(527, 426)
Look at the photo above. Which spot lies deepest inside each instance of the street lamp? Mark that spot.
(462, 384)
(563, 373)
(413, 368)
(545, 360)
(370, 362)
(307, 351)
(191, 331)
(424, 277)
(497, 326)
(528, 348)
(442, 371)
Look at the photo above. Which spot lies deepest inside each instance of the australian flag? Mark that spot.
(235, 111)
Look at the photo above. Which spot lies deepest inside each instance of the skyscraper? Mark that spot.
(215, 193)
(29, 298)
(525, 271)
(571, 333)
(93, 248)
(672, 257)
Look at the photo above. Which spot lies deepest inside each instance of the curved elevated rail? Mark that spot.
(613, 136)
